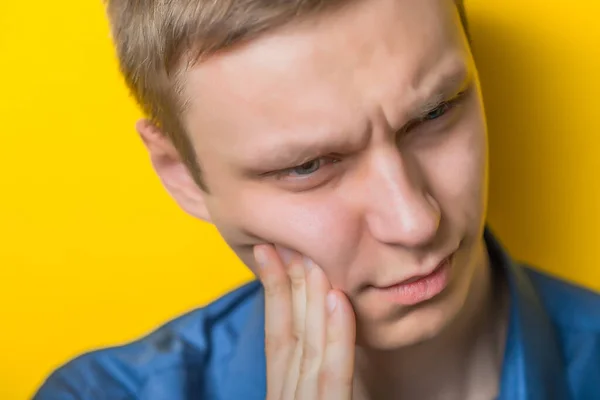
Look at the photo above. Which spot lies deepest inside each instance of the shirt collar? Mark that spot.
(533, 368)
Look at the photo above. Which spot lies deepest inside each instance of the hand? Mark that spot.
(309, 329)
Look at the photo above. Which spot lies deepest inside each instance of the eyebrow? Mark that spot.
(448, 85)
(290, 154)
(293, 153)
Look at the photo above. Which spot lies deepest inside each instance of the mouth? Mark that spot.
(418, 288)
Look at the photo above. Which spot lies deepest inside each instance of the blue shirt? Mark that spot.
(217, 352)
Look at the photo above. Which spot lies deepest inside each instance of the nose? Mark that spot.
(398, 208)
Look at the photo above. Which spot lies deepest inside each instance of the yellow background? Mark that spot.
(93, 252)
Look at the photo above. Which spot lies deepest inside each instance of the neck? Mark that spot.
(462, 362)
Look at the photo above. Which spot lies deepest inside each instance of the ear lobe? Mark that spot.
(172, 171)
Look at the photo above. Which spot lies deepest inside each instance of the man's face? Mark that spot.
(357, 139)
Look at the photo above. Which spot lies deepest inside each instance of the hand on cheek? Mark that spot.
(309, 329)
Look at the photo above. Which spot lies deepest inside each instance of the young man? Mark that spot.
(340, 148)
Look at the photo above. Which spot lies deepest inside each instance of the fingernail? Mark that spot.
(308, 263)
(284, 254)
(261, 257)
(331, 302)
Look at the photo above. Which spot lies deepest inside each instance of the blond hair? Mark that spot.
(156, 40)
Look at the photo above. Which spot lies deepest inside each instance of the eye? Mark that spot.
(308, 175)
(438, 112)
(307, 168)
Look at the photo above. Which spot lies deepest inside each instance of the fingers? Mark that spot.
(294, 263)
(279, 335)
(315, 333)
(296, 272)
(309, 329)
(337, 369)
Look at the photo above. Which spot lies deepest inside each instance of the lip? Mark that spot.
(419, 288)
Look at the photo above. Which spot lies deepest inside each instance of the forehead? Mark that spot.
(323, 74)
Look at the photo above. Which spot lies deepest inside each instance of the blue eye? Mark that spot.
(307, 168)
(437, 112)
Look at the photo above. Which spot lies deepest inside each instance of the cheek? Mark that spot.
(323, 228)
(457, 174)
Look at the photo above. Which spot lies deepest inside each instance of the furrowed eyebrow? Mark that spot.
(290, 154)
(447, 87)
(287, 155)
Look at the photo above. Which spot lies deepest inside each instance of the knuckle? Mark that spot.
(329, 377)
(306, 370)
(297, 282)
(296, 274)
(298, 333)
(274, 287)
(274, 344)
(277, 343)
(296, 340)
(310, 358)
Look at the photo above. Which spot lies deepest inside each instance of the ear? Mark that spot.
(172, 171)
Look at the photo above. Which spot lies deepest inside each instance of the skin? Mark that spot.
(356, 140)
(310, 350)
